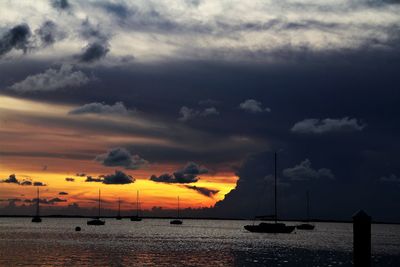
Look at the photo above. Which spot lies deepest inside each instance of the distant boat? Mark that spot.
(177, 221)
(119, 210)
(272, 227)
(36, 218)
(306, 225)
(97, 221)
(136, 218)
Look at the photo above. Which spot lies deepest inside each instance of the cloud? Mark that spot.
(63, 193)
(60, 4)
(101, 108)
(188, 174)
(26, 183)
(118, 177)
(90, 179)
(94, 51)
(48, 33)
(304, 171)
(253, 106)
(121, 157)
(51, 80)
(57, 200)
(318, 126)
(80, 174)
(390, 179)
(187, 114)
(12, 179)
(203, 190)
(39, 184)
(69, 179)
(16, 38)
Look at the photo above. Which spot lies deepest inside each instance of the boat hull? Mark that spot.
(96, 222)
(36, 219)
(136, 219)
(274, 228)
(305, 226)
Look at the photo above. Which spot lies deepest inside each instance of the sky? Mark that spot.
(191, 98)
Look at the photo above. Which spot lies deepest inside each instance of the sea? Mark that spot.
(154, 242)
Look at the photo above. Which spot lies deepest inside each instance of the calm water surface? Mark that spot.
(195, 243)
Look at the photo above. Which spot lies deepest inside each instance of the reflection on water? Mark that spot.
(196, 243)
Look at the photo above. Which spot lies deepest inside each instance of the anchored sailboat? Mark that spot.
(136, 218)
(177, 221)
(271, 227)
(119, 210)
(97, 220)
(36, 218)
(306, 225)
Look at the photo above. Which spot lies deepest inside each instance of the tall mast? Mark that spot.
(137, 203)
(178, 207)
(37, 202)
(308, 205)
(119, 207)
(276, 191)
(99, 203)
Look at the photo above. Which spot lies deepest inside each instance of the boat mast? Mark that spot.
(308, 206)
(37, 202)
(137, 203)
(178, 207)
(119, 207)
(99, 203)
(276, 210)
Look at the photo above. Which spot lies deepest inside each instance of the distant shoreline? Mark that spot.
(189, 218)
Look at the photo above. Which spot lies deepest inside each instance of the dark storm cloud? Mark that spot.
(26, 182)
(317, 126)
(203, 190)
(49, 33)
(68, 179)
(12, 179)
(63, 193)
(15, 38)
(118, 177)
(101, 108)
(188, 174)
(121, 157)
(60, 4)
(46, 201)
(94, 51)
(80, 174)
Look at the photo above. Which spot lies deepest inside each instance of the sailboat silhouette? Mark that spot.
(271, 227)
(306, 225)
(177, 221)
(119, 210)
(97, 220)
(36, 218)
(136, 218)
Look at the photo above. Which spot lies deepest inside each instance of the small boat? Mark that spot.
(97, 220)
(36, 218)
(275, 228)
(119, 210)
(306, 225)
(136, 218)
(177, 221)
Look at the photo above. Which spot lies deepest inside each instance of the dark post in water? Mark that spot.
(362, 239)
